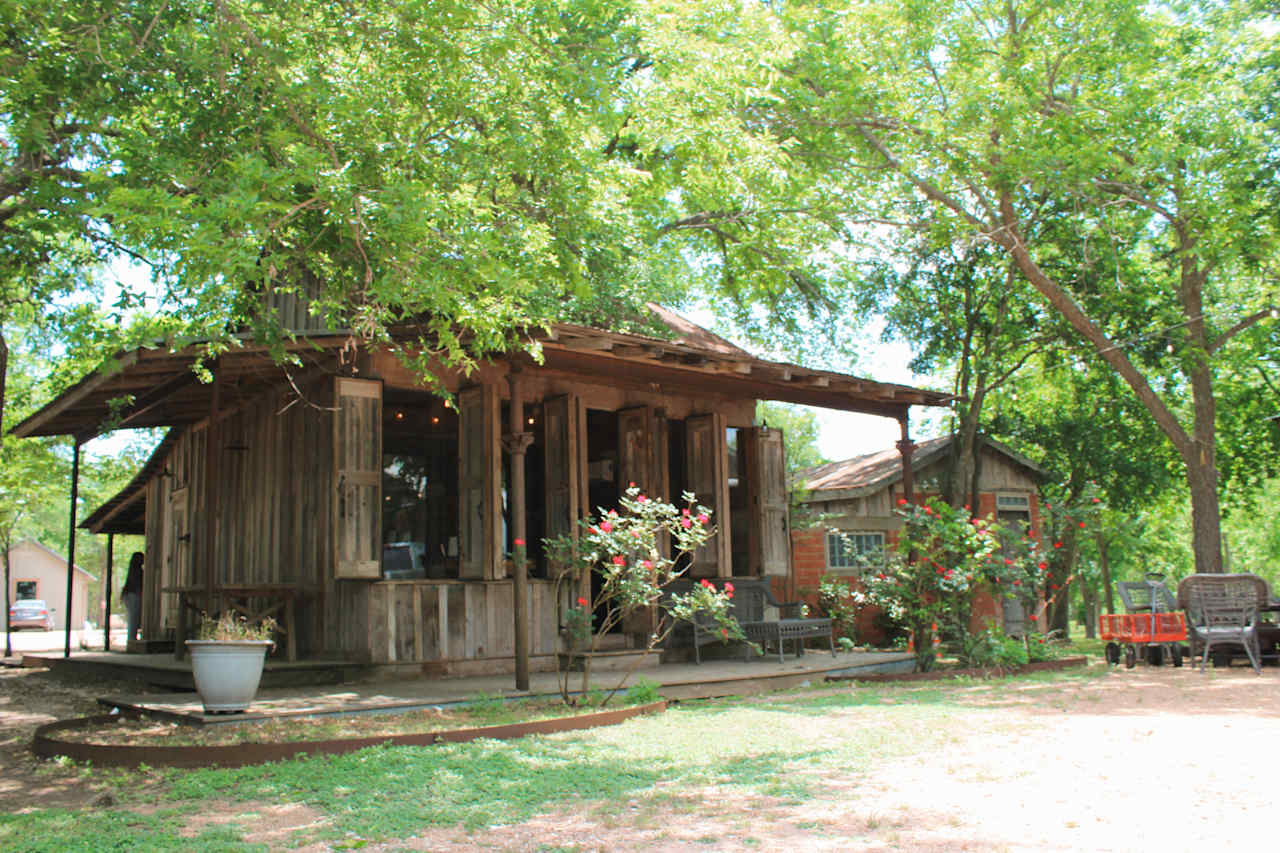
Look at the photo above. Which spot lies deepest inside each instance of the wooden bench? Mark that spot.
(752, 604)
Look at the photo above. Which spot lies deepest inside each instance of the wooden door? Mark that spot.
(706, 456)
(560, 467)
(479, 482)
(769, 534)
(357, 505)
(635, 452)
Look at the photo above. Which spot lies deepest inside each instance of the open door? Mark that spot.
(357, 505)
(770, 536)
(561, 476)
(479, 482)
(635, 450)
(708, 478)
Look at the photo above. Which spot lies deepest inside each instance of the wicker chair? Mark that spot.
(1223, 610)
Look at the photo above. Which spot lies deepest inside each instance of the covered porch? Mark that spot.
(386, 525)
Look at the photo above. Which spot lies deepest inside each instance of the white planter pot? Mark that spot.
(227, 672)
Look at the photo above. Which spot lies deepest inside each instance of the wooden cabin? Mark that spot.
(378, 518)
(855, 499)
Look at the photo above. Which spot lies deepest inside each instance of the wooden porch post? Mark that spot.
(517, 442)
(207, 555)
(71, 538)
(906, 447)
(106, 616)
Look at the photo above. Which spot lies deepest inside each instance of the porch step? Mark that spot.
(611, 661)
(611, 642)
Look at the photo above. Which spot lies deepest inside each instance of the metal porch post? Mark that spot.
(106, 615)
(71, 539)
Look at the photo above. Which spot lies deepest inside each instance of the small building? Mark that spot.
(377, 516)
(37, 572)
(854, 501)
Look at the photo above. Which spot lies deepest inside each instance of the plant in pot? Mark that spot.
(226, 660)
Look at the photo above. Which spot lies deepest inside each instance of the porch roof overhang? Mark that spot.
(154, 387)
(126, 511)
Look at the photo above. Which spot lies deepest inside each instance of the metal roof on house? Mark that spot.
(871, 472)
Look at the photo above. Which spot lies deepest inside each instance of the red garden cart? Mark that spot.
(1149, 624)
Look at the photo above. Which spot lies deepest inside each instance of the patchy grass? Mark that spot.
(778, 748)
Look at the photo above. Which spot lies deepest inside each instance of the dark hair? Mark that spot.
(133, 578)
(135, 562)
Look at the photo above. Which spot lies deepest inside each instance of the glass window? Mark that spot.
(419, 488)
(850, 549)
(26, 589)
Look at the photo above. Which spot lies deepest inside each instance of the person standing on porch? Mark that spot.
(132, 595)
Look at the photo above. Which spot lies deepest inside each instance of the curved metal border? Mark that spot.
(982, 672)
(239, 755)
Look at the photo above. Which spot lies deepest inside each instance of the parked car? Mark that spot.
(30, 613)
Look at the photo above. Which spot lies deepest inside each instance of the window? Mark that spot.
(26, 589)
(851, 549)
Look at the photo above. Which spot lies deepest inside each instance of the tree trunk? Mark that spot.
(1105, 564)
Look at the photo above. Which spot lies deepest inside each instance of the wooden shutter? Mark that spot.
(769, 536)
(560, 466)
(706, 456)
(634, 449)
(479, 482)
(357, 442)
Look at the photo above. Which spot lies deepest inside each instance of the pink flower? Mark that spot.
(728, 587)
(1042, 565)
(606, 527)
(648, 564)
(582, 602)
(1097, 500)
(702, 518)
(619, 560)
(519, 543)
(902, 501)
(641, 499)
(1082, 524)
(706, 583)
(1017, 583)
(592, 530)
(1008, 562)
(686, 523)
(684, 511)
(631, 485)
(1057, 544)
(724, 632)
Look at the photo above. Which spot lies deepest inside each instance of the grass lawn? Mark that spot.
(699, 755)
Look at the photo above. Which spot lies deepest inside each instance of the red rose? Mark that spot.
(648, 564)
(686, 523)
(706, 583)
(728, 587)
(519, 543)
(641, 499)
(902, 501)
(1082, 524)
(606, 527)
(582, 602)
(1057, 544)
(1017, 583)
(702, 518)
(619, 560)
(1042, 565)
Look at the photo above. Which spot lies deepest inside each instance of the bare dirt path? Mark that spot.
(1149, 759)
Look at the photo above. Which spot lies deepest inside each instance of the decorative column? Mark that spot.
(906, 447)
(516, 442)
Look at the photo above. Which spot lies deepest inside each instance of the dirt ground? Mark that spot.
(1161, 759)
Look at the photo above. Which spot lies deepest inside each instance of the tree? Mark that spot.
(1142, 129)
(474, 169)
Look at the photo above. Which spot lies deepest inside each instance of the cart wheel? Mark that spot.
(1176, 651)
(1130, 657)
(1155, 655)
(1112, 653)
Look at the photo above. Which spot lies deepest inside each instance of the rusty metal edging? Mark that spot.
(46, 745)
(981, 672)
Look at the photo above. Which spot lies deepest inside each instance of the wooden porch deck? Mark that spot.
(677, 681)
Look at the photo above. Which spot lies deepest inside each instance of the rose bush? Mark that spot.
(636, 551)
